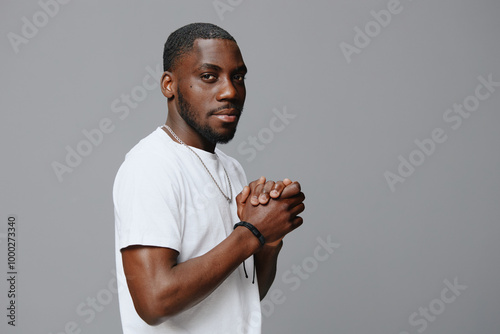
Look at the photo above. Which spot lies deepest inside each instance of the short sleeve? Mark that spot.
(146, 204)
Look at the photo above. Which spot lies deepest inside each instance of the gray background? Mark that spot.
(352, 122)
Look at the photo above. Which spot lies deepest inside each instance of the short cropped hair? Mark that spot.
(181, 41)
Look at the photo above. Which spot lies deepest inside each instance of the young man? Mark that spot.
(183, 239)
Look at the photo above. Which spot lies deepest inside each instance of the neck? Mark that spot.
(188, 135)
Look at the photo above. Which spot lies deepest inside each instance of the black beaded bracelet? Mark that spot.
(253, 229)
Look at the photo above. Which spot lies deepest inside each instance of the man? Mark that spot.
(175, 206)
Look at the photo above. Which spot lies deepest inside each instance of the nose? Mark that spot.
(227, 90)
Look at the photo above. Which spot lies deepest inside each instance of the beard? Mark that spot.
(192, 118)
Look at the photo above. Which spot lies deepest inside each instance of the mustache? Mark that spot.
(228, 106)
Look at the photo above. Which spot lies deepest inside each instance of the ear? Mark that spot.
(167, 84)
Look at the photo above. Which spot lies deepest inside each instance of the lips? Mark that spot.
(228, 111)
(227, 115)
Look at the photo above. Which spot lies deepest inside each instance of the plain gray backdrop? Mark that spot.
(363, 86)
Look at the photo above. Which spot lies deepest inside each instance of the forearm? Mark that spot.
(196, 278)
(265, 265)
(183, 285)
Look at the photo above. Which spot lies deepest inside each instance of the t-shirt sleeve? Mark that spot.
(146, 204)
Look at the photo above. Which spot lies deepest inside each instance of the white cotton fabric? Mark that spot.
(163, 196)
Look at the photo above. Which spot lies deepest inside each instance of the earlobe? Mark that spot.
(167, 83)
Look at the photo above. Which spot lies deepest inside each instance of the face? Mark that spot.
(211, 88)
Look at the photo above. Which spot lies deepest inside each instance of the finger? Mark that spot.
(261, 180)
(291, 190)
(293, 201)
(252, 187)
(254, 183)
(277, 189)
(243, 195)
(241, 200)
(287, 181)
(297, 221)
(254, 199)
(298, 209)
(264, 195)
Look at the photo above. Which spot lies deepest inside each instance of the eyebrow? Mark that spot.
(208, 66)
(242, 68)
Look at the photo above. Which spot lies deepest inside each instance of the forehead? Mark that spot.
(220, 52)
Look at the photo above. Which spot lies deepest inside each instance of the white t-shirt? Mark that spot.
(163, 196)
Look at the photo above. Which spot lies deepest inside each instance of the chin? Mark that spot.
(225, 139)
(224, 136)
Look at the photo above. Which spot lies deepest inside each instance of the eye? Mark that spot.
(239, 77)
(208, 77)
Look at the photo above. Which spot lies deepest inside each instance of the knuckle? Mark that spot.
(286, 206)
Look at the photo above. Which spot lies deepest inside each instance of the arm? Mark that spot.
(260, 192)
(265, 265)
(162, 287)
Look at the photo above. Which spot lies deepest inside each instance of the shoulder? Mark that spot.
(156, 148)
(153, 159)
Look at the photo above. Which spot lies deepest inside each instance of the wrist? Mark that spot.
(247, 239)
(254, 231)
(276, 244)
(274, 247)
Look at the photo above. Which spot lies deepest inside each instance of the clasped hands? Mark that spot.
(272, 207)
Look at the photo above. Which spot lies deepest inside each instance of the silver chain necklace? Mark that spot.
(228, 198)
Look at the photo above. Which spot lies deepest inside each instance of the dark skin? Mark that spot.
(210, 77)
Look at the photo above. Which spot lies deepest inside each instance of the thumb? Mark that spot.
(241, 199)
(243, 195)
